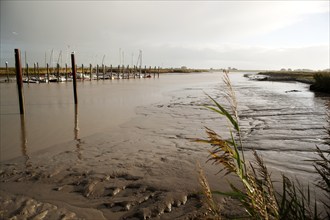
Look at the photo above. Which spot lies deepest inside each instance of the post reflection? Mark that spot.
(76, 133)
(24, 141)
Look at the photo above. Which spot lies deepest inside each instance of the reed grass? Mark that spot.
(258, 196)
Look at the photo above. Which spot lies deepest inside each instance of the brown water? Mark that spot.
(140, 127)
(275, 120)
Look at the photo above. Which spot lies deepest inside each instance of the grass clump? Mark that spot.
(322, 83)
(258, 196)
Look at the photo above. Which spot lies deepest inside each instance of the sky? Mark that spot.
(263, 35)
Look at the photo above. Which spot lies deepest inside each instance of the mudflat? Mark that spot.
(145, 166)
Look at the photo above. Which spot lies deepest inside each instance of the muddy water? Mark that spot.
(50, 113)
(283, 125)
(132, 135)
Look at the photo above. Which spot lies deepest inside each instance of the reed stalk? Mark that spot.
(258, 196)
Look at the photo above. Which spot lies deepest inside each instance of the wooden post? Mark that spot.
(19, 80)
(47, 67)
(128, 71)
(155, 72)
(118, 72)
(145, 71)
(140, 72)
(27, 73)
(38, 71)
(7, 71)
(58, 72)
(74, 76)
(110, 71)
(66, 72)
(90, 71)
(103, 67)
(149, 71)
(97, 71)
(158, 72)
(82, 70)
(134, 68)
(34, 69)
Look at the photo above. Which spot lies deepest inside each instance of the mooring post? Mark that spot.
(128, 71)
(82, 70)
(140, 71)
(34, 70)
(145, 71)
(90, 71)
(27, 73)
(149, 75)
(66, 72)
(111, 72)
(47, 69)
(7, 71)
(158, 72)
(97, 71)
(155, 72)
(118, 72)
(58, 72)
(74, 77)
(103, 67)
(38, 71)
(19, 80)
(133, 71)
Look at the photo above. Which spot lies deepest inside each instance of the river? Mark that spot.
(143, 126)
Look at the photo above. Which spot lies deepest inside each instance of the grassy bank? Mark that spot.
(319, 80)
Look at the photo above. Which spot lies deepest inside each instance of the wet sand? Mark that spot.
(145, 166)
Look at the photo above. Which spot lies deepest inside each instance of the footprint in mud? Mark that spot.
(121, 195)
(167, 205)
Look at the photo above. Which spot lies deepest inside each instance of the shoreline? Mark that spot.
(319, 81)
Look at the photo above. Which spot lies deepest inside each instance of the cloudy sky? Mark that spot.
(197, 34)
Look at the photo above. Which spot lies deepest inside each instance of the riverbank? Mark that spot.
(319, 80)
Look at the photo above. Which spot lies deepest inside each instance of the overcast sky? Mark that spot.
(196, 34)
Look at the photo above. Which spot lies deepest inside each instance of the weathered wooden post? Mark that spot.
(111, 72)
(128, 71)
(7, 71)
(158, 71)
(97, 72)
(38, 71)
(74, 77)
(155, 72)
(19, 80)
(24, 139)
(34, 70)
(27, 73)
(82, 70)
(90, 71)
(47, 69)
(140, 71)
(66, 72)
(118, 72)
(145, 71)
(103, 67)
(149, 75)
(58, 72)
